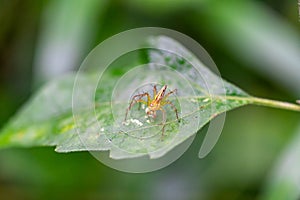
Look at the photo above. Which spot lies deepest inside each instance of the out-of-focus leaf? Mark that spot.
(256, 35)
(164, 6)
(67, 30)
(284, 182)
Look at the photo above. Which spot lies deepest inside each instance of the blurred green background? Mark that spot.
(255, 44)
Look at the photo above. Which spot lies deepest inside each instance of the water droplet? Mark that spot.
(194, 100)
(205, 100)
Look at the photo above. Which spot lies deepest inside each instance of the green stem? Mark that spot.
(274, 104)
(266, 102)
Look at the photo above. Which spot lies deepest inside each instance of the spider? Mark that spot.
(159, 100)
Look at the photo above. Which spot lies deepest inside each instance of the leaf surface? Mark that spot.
(47, 119)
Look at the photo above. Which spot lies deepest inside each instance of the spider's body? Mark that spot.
(154, 104)
(157, 102)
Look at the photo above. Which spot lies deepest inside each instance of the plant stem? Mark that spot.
(274, 104)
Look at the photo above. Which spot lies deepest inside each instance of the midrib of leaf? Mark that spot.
(247, 100)
(215, 98)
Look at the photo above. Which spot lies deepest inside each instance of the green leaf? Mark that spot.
(283, 182)
(47, 119)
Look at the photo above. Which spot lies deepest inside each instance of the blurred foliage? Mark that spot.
(244, 162)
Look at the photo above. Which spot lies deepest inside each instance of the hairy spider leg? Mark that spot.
(154, 90)
(173, 106)
(169, 93)
(163, 119)
(134, 101)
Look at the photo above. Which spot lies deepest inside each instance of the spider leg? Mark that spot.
(169, 93)
(174, 108)
(140, 101)
(134, 101)
(139, 96)
(154, 90)
(163, 119)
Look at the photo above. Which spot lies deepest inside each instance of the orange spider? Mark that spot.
(155, 104)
